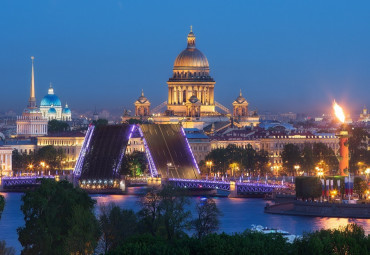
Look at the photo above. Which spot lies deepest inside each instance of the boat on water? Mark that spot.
(265, 230)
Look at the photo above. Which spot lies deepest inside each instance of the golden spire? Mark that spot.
(142, 92)
(32, 100)
(240, 94)
(191, 38)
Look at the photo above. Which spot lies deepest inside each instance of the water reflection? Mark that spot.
(238, 215)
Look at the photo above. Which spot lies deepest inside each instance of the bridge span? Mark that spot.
(235, 189)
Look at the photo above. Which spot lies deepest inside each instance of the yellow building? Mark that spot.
(191, 83)
(69, 142)
(274, 143)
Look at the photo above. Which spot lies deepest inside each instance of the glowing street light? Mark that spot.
(209, 164)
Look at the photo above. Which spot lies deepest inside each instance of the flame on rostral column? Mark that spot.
(338, 110)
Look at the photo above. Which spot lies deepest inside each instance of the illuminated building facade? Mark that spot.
(142, 106)
(32, 123)
(69, 142)
(6, 161)
(191, 88)
(51, 107)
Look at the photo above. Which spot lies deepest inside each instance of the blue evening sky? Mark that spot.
(285, 55)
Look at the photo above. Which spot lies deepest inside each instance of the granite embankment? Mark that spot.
(318, 209)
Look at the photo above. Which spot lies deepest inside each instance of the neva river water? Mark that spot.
(238, 215)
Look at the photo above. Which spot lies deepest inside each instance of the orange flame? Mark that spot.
(338, 112)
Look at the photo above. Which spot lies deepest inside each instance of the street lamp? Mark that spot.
(296, 167)
(169, 164)
(367, 171)
(209, 164)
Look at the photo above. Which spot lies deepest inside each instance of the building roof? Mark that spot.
(65, 134)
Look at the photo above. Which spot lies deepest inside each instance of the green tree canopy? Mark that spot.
(207, 220)
(59, 219)
(291, 156)
(56, 126)
(100, 122)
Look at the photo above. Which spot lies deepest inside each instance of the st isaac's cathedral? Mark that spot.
(191, 100)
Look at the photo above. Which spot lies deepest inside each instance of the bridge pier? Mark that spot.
(233, 189)
(154, 181)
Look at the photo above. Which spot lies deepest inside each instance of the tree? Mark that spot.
(116, 226)
(84, 232)
(261, 162)
(55, 126)
(134, 164)
(308, 187)
(360, 186)
(150, 213)
(357, 148)
(51, 156)
(207, 221)
(350, 239)
(6, 250)
(164, 212)
(59, 219)
(324, 155)
(100, 122)
(134, 121)
(307, 163)
(175, 217)
(291, 156)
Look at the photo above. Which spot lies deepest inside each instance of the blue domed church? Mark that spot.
(51, 107)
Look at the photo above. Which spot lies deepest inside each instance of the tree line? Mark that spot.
(239, 160)
(44, 159)
(307, 158)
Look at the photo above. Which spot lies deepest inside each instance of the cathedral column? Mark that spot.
(180, 95)
(174, 95)
(212, 101)
(169, 96)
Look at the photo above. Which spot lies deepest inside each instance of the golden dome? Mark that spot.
(191, 59)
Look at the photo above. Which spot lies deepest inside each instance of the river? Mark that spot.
(238, 215)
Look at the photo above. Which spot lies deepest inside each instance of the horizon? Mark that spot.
(284, 56)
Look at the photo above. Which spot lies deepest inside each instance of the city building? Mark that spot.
(191, 96)
(274, 142)
(6, 161)
(32, 123)
(70, 142)
(142, 106)
(51, 107)
(23, 146)
(191, 80)
(199, 143)
(241, 115)
(364, 116)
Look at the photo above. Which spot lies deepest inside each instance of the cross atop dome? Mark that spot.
(51, 89)
(191, 38)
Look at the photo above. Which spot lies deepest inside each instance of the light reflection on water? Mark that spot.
(238, 215)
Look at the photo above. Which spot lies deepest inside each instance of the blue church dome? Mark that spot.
(52, 111)
(66, 110)
(51, 99)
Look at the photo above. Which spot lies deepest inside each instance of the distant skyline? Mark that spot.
(284, 55)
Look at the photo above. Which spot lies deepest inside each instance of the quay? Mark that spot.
(318, 209)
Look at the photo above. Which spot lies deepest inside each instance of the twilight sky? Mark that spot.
(284, 55)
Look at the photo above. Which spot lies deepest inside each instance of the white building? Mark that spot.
(6, 161)
(32, 123)
(51, 107)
